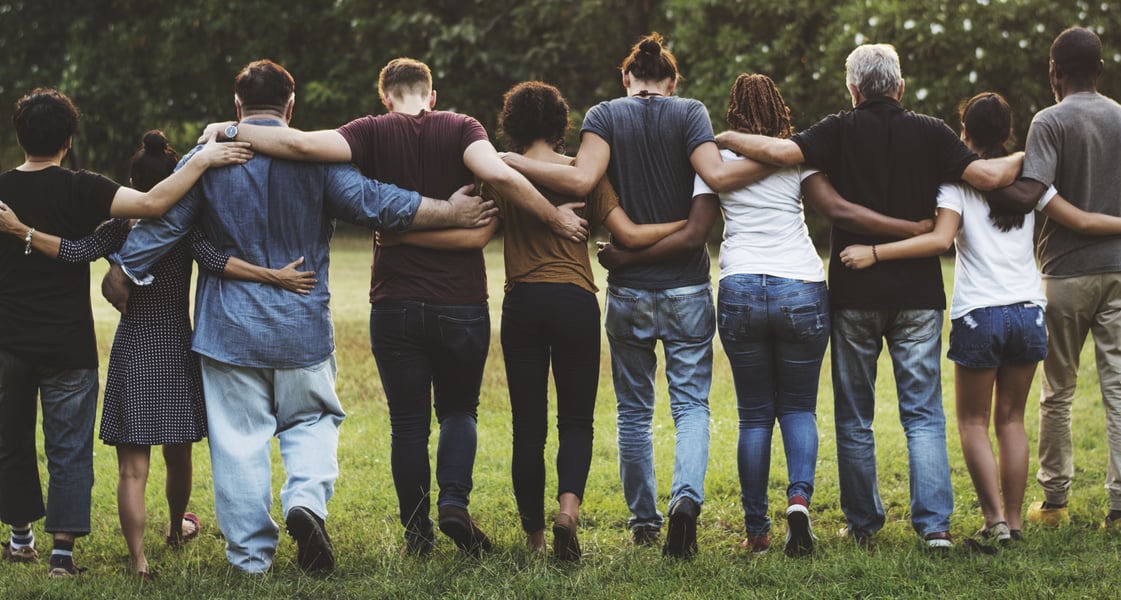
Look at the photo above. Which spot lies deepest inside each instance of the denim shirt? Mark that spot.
(268, 212)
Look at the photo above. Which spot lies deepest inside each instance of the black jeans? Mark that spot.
(425, 351)
(557, 322)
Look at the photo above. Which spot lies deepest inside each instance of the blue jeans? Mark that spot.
(245, 408)
(774, 331)
(69, 398)
(682, 318)
(430, 356)
(914, 339)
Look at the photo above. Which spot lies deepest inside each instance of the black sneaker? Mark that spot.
(315, 551)
(681, 539)
(457, 524)
(644, 535)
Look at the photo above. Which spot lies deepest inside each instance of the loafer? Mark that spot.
(315, 551)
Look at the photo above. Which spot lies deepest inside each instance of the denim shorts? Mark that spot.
(988, 337)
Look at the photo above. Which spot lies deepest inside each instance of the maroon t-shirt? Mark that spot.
(423, 153)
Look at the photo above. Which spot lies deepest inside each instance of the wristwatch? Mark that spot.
(230, 132)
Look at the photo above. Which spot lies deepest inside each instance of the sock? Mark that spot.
(63, 553)
(1053, 505)
(22, 537)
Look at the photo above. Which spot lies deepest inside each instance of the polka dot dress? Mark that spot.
(153, 393)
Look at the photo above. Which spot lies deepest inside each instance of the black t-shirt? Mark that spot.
(45, 314)
(892, 161)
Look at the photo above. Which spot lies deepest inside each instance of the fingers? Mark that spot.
(466, 190)
(292, 265)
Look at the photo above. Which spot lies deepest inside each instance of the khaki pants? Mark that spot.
(1075, 307)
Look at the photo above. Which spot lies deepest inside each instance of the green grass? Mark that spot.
(1075, 561)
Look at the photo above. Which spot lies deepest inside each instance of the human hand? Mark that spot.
(923, 226)
(611, 257)
(215, 130)
(471, 211)
(387, 239)
(116, 288)
(858, 257)
(569, 225)
(10, 223)
(218, 154)
(292, 280)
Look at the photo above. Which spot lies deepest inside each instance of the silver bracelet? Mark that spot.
(27, 241)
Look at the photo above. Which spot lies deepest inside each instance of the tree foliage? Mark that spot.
(133, 65)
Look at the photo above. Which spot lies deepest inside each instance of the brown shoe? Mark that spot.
(565, 545)
(25, 554)
(456, 523)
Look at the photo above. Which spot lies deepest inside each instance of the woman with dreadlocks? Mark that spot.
(997, 332)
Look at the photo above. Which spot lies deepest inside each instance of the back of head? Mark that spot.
(264, 85)
(153, 162)
(533, 111)
(873, 69)
(403, 76)
(650, 61)
(756, 106)
(1077, 53)
(987, 119)
(45, 120)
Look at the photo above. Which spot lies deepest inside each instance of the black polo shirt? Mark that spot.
(891, 160)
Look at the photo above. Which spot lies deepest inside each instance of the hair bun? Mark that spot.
(651, 47)
(155, 142)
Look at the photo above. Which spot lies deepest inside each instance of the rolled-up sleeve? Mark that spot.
(150, 240)
(367, 202)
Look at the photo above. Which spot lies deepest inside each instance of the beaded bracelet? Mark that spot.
(27, 241)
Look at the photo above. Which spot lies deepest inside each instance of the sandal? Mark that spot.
(176, 541)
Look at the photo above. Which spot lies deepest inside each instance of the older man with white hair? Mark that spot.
(891, 160)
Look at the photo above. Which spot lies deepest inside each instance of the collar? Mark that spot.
(878, 101)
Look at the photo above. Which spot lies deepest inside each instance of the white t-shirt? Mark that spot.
(765, 228)
(994, 267)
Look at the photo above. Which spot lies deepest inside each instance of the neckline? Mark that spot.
(648, 94)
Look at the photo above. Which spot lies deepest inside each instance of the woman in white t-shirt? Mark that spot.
(773, 317)
(997, 333)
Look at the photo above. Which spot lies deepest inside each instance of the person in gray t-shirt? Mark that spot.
(1074, 145)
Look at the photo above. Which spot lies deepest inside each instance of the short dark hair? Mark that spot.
(404, 75)
(263, 84)
(45, 119)
(533, 111)
(1077, 53)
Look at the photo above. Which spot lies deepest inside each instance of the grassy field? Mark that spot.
(1079, 560)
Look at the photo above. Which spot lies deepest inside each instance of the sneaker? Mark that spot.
(1016, 535)
(757, 544)
(939, 540)
(645, 535)
(315, 551)
(419, 540)
(457, 524)
(63, 568)
(799, 533)
(1048, 514)
(681, 539)
(997, 532)
(23, 554)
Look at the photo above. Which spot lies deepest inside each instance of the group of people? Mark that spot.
(651, 171)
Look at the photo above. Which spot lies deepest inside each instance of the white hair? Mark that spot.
(873, 69)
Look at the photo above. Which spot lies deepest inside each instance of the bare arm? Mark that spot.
(1080, 221)
(577, 179)
(327, 145)
(992, 173)
(108, 237)
(724, 176)
(41, 241)
(460, 210)
(928, 244)
(823, 197)
(702, 215)
(1020, 197)
(441, 239)
(633, 235)
(765, 149)
(155, 202)
(289, 278)
(485, 163)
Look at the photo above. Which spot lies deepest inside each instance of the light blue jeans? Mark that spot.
(914, 339)
(774, 331)
(683, 320)
(245, 408)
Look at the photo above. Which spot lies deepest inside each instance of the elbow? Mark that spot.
(942, 246)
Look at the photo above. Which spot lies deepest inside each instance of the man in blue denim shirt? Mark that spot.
(267, 355)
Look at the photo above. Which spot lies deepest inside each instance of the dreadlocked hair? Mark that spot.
(756, 106)
(987, 118)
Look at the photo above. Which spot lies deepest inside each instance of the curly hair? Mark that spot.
(44, 120)
(650, 61)
(756, 106)
(533, 111)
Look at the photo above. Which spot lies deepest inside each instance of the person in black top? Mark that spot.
(891, 160)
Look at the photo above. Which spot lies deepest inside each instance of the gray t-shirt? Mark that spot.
(1074, 146)
(651, 140)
